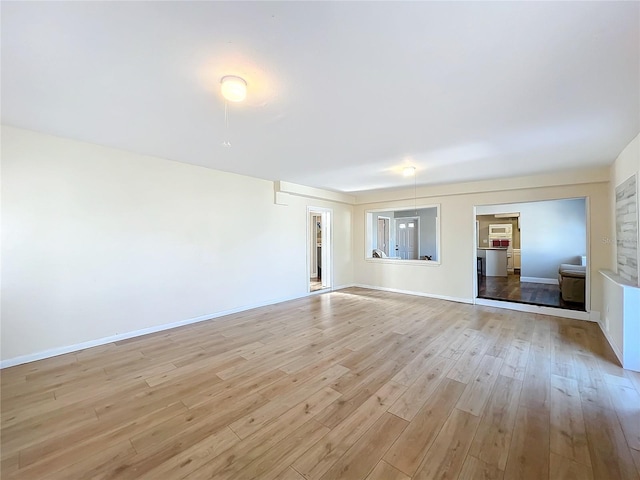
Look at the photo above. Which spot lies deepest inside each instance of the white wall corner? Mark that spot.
(342, 287)
(417, 294)
(281, 198)
(612, 344)
(54, 352)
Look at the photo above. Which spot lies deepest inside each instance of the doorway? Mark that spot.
(319, 256)
(533, 253)
(407, 238)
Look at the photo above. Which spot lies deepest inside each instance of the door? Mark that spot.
(407, 238)
(383, 234)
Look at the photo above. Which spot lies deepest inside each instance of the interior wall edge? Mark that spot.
(416, 293)
(288, 188)
(558, 179)
(54, 352)
(592, 316)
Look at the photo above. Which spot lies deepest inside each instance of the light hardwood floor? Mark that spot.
(355, 384)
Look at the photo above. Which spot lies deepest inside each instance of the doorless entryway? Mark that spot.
(319, 248)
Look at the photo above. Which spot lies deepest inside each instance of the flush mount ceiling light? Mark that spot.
(233, 88)
(409, 171)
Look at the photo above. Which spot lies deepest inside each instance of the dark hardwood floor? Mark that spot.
(511, 289)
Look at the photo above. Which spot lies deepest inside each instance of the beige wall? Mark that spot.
(627, 164)
(454, 277)
(99, 242)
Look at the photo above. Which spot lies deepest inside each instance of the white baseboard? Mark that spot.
(54, 352)
(547, 281)
(524, 307)
(613, 346)
(342, 287)
(419, 294)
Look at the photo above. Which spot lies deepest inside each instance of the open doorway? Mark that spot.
(319, 241)
(534, 253)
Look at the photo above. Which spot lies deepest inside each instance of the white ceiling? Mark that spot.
(340, 94)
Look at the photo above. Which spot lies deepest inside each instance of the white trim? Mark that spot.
(54, 352)
(313, 245)
(368, 236)
(546, 281)
(400, 261)
(612, 344)
(318, 292)
(327, 245)
(525, 307)
(418, 294)
(476, 245)
(587, 277)
(342, 287)
(388, 239)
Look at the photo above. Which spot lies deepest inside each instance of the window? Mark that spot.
(401, 234)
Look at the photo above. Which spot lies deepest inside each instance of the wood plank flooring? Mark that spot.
(511, 289)
(355, 384)
(315, 284)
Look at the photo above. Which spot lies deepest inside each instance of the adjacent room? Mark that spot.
(533, 253)
(319, 240)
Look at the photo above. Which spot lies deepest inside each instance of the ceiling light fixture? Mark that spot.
(233, 88)
(409, 171)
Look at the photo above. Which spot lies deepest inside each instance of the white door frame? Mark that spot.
(476, 239)
(388, 239)
(327, 245)
(313, 264)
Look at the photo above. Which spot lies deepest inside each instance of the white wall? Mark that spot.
(551, 232)
(98, 242)
(627, 163)
(454, 277)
